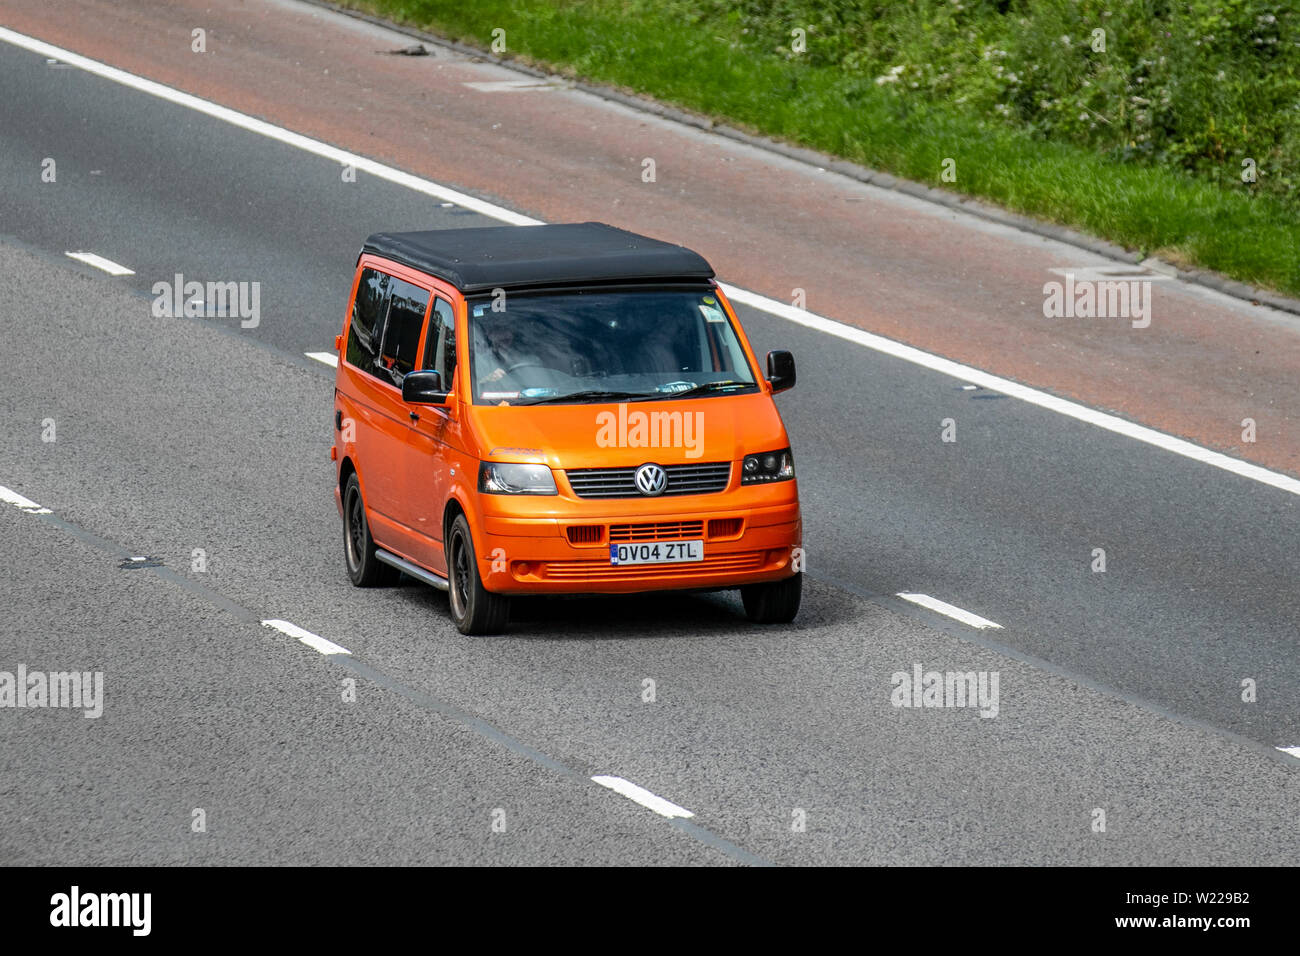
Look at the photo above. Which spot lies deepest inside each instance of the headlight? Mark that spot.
(769, 466)
(496, 478)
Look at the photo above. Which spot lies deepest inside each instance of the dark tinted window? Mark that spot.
(651, 343)
(440, 346)
(367, 319)
(406, 307)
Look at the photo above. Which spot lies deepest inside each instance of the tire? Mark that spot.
(365, 570)
(474, 609)
(776, 602)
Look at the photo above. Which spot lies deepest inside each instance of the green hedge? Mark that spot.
(1200, 85)
(1141, 143)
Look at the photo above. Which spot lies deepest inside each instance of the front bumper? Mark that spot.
(520, 555)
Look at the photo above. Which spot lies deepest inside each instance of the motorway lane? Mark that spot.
(1199, 593)
(1199, 590)
(993, 529)
(749, 723)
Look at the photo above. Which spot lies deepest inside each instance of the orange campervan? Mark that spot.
(558, 409)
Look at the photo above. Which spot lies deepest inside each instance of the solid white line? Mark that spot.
(23, 504)
(1293, 751)
(643, 796)
(99, 262)
(951, 610)
(314, 641)
(1015, 390)
(329, 358)
(780, 309)
(340, 156)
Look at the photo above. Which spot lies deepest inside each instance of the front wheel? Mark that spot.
(776, 602)
(474, 609)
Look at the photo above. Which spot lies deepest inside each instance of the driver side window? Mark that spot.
(440, 343)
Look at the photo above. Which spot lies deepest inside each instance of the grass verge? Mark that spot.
(710, 67)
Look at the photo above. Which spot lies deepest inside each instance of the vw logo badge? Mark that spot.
(651, 480)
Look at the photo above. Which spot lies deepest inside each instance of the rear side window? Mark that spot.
(406, 308)
(367, 324)
(440, 345)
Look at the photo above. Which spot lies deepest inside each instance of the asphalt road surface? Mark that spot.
(1120, 691)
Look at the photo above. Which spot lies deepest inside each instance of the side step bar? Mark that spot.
(428, 577)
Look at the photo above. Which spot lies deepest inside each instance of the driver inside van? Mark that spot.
(659, 350)
(504, 350)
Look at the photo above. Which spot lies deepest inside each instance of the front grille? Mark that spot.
(725, 527)
(593, 572)
(700, 479)
(586, 533)
(657, 531)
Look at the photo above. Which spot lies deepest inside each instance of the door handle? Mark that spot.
(414, 417)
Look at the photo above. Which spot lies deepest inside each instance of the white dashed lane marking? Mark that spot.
(314, 641)
(949, 610)
(99, 262)
(665, 808)
(23, 504)
(328, 358)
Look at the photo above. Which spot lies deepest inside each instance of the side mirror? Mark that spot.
(780, 370)
(424, 388)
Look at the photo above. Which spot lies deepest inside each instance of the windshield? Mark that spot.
(621, 345)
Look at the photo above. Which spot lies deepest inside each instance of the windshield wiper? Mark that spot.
(700, 390)
(591, 395)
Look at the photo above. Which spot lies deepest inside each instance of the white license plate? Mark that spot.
(656, 552)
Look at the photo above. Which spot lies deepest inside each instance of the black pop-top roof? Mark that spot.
(491, 257)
